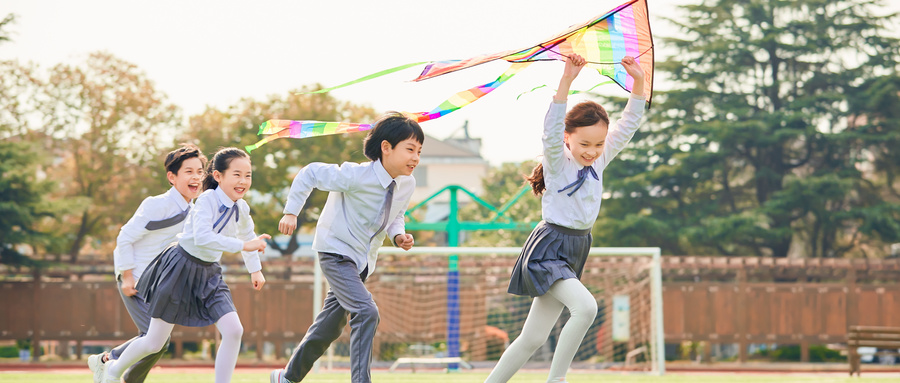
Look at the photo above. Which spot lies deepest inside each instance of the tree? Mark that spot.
(9, 19)
(766, 144)
(109, 127)
(23, 183)
(22, 201)
(276, 163)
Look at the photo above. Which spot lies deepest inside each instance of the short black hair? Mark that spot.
(393, 127)
(177, 157)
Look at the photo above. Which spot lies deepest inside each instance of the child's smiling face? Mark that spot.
(188, 179)
(402, 159)
(236, 180)
(586, 142)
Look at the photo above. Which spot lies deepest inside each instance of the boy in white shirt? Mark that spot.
(366, 202)
(154, 225)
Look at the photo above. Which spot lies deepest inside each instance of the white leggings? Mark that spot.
(226, 357)
(545, 311)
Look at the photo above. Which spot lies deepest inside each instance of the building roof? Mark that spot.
(451, 147)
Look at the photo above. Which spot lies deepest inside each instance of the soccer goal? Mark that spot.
(449, 307)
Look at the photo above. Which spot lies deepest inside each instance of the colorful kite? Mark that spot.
(603, 42)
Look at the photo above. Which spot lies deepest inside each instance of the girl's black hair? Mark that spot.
(585, 113)
(220, 161)
(176, 158)
(393, 127)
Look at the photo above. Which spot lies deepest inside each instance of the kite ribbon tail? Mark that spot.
(570, 92)
(468, 96)
(280, 134)
(369, 77)
(592, 88)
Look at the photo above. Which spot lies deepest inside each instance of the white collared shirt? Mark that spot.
(136, 245)
(207, 244)
(353, 210)
(561, 169)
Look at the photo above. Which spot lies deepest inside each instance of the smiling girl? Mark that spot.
(154, 225)
(184, 284)
(578, 145)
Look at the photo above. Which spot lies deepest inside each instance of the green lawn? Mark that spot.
(463, 377)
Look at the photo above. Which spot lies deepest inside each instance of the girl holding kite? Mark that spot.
(578, 145)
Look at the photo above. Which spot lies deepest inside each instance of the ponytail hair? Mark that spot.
(585, 113)
(220, 162)
(537, 180)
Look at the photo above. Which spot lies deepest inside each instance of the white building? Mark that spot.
(452, 161)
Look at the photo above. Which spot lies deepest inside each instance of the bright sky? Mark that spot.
(216, 52)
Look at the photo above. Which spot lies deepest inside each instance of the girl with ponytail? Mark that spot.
(577, 147)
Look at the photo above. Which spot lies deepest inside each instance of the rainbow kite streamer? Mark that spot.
(603, 42)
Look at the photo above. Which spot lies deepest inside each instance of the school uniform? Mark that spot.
(184, 284)
(155, 224)
(364, 205)
(558, 247)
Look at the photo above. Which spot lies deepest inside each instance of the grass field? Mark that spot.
(465, 377)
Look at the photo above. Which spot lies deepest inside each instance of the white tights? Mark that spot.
(226, 357)
(545, 311)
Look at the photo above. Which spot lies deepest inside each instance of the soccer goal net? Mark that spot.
(450, 306)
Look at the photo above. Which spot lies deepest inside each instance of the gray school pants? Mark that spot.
(348, 295)
(140, 314)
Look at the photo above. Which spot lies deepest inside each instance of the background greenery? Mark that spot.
(775, 134)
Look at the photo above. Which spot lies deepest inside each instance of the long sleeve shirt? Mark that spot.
(155, 224)
(212, 228)
(354, 209)
(580, 210)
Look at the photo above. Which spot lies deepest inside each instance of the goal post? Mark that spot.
(410, 288)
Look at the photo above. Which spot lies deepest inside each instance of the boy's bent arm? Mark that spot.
(317, 175)
(131, 232)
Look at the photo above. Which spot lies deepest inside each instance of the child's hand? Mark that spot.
(128, 284)
(633, 68)
(287, 224)
(258, 280)
(574, 63)
(404, 241)
(257, 244)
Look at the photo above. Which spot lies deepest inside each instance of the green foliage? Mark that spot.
(791, 353)
(108, 128)
(9, 19)
(22, 201)
(776, 138)
(9, 352)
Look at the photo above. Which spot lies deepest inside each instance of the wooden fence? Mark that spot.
(711, 299)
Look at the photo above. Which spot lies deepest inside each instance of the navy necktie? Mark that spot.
(168, 222)
(226, 211)
(386, 207)
(582, 176)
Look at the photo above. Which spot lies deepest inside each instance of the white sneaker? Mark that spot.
(106, 377)
(95, 363)
(277, 376)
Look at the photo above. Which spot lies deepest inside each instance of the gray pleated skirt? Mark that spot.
(185, 290)
(550, 253)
